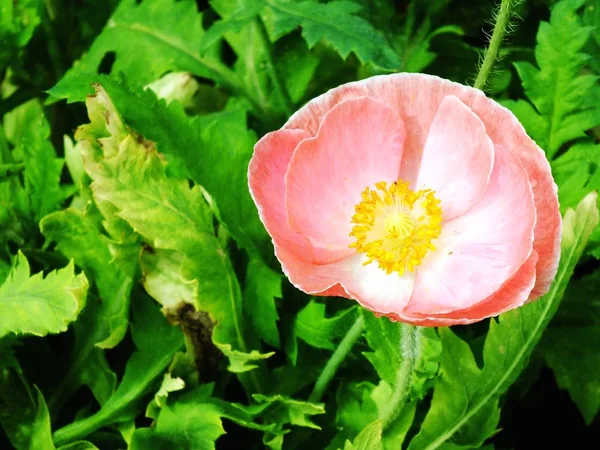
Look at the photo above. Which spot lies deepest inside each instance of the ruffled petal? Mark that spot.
(479, 251)
(457, 159)
(266, 175)
(416, 98)
(359, 143)
(513, 294)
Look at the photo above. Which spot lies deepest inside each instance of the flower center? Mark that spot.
(394, 225)
(398, 224)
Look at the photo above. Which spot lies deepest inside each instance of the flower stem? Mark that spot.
(491, 54)
(410, 349)
(272, 68)
(336, 359)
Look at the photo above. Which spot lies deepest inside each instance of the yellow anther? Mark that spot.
(396, 225)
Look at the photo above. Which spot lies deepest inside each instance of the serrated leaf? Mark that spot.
(169, 384)
(240, 362)
(284, 410)
(560, 92)
(78, 237)
(470, 403)
(337, 23)
(157, 342)
(262, 286)
(220, 136)
(193, 421)
(131, 176)
(149, 39)
(314, 328)
(32, 304)
(240, 18)
(42, 167)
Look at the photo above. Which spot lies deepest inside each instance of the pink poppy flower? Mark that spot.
(420, 198)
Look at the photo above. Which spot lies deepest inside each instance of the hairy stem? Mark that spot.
(410, 348)
(272, 68)
(336, 359)
(491, 54)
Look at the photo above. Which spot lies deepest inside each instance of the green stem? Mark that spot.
(491, 54)
(336, 359)
(80, 428)
(410, 348)
(272, 68)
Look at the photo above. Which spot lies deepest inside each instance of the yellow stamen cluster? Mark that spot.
(394, 225)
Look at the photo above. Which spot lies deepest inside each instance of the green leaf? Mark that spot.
(149, 39)
(18, 21)
(131, 176)
(319, 331)
(185, 424)
(419, 53)
(560, 90)
(572, 354)
(337, 23)
(356, 408)
(169, 384)
(78, 238)
(156, 342)
(41, 435)
(162, 279)
(361, 404)
(368, 439)
(283, 410)
(9, 170)
(104, 322)
(222, 136)
(240, 362)
(234, 23)
(23, 411)
(569, 345)
(469, 403)
(38, 305)
(42, 167)
(193, 421)
(383, 337)
(73, 160)
(262, 286)
(575, 171)
(92, 370)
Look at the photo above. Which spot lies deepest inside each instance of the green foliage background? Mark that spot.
(141, 305)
